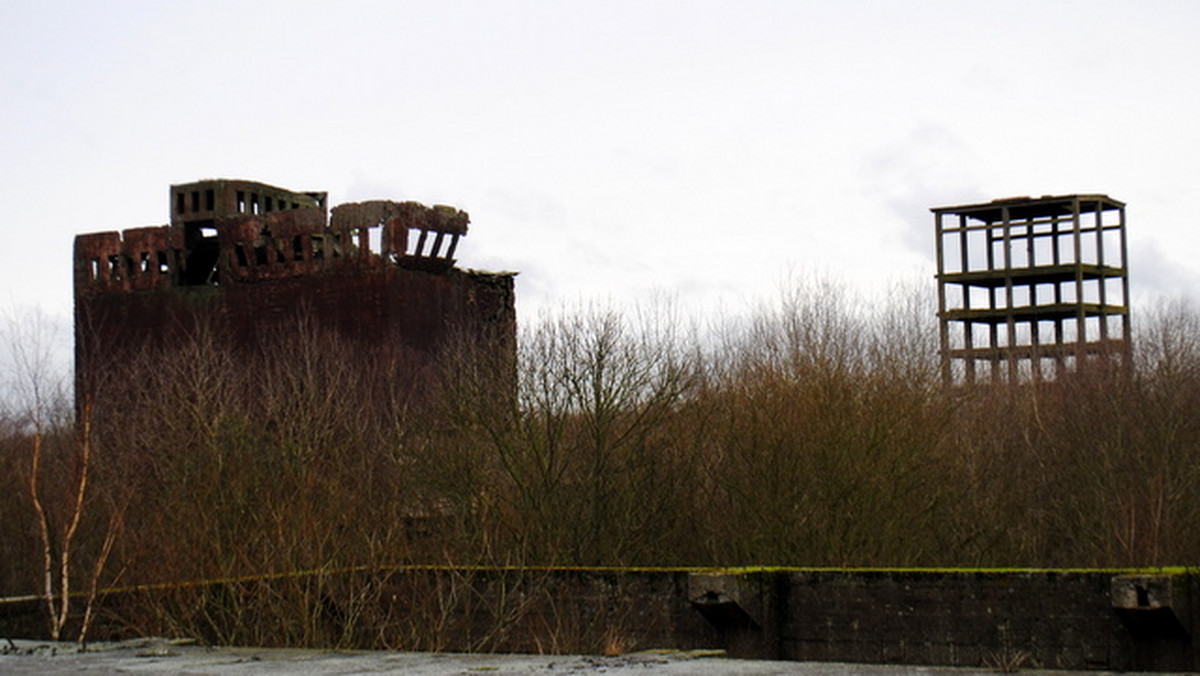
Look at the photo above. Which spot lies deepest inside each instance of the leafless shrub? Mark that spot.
(814, 432)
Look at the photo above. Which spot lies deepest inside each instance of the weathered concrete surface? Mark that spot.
(162, 657)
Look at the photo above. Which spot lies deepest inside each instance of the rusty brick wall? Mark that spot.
(388, 311)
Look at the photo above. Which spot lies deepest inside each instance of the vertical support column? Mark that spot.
(1035, 327)
(1080, 315)
(1056, 258)
(1126, 334)
(964, 241)
(943, 323)
(993, 329)
(1009, 298)
(1103, 265)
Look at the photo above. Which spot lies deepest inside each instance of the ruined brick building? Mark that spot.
(243, 259)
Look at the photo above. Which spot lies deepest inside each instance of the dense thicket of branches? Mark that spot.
(814, 434)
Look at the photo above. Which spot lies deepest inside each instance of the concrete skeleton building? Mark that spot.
(1029, 287)
(244, 258)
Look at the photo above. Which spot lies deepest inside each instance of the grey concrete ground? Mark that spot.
(157, 656)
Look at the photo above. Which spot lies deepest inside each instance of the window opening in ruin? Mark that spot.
(163, 267)
(240, 251)
(318, 247)
(267, 204)
(241, 202)
(94, 269)
(297, 248)
(280, 251)
(254, 203)
(203, 249)
(260, 254)
(180, 203)
(144, 262)
(195, 200)
(375, 239)
(114, 267)
(210, 200)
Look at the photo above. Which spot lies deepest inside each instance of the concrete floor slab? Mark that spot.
(160, 656)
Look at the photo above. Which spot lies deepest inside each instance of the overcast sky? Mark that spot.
(610, 150)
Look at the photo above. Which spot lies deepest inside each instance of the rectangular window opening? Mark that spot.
(375, 239)
(1019, 252)
(1090, 247)
(1066, 248)
(1020, 296)
(419, 250)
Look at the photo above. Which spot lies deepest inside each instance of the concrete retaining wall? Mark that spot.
(1112, 620)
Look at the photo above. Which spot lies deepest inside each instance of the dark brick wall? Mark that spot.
(390, 314)
(1054, 620)
(999, 619)
(387, 307)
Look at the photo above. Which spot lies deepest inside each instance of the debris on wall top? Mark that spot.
(226, 231)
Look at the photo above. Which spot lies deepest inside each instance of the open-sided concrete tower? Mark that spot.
(1030, 286)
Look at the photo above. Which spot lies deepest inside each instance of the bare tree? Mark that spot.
(38, 388)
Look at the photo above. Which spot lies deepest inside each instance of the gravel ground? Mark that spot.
(161, 656)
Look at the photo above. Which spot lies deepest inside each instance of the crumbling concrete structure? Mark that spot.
(244, 258)
(1028, 287)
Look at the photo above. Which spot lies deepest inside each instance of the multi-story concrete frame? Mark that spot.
(1028, 287)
